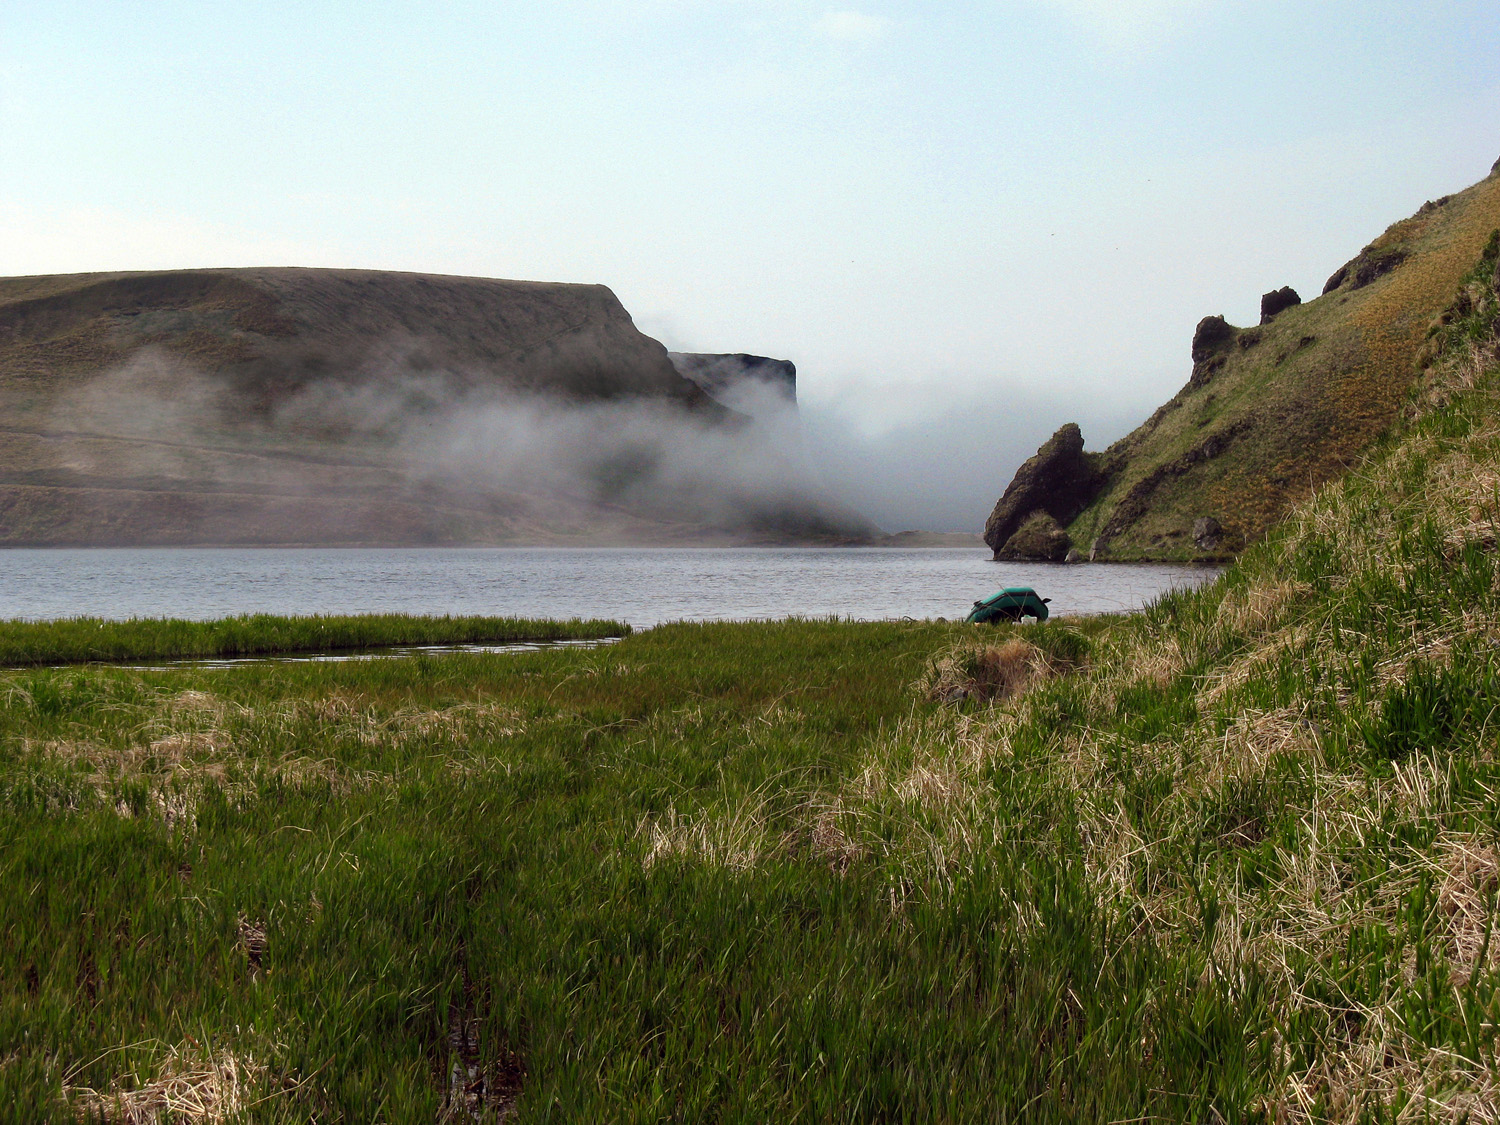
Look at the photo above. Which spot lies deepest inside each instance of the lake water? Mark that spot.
(644, 586)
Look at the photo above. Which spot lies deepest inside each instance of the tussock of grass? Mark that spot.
(190, 1086)
(736, 841)
(988, 672)
(983, 670)
(80, 639)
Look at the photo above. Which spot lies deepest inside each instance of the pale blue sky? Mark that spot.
(925, 205)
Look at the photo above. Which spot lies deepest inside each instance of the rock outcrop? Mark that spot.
(1277, 301)
(1040, 538)
(1059, 481)
(1272, 411)
(1207, 532)
(1211, 343)
(1370, 266)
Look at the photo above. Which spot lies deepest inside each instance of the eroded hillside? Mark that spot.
(354, 406)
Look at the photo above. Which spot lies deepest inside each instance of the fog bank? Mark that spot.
(943, 468)
(525, 466)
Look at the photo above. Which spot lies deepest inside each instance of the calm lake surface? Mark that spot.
(644, 586)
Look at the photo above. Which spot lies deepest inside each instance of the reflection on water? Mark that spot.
(643, 586)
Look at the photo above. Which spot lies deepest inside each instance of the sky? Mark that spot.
(965, 223)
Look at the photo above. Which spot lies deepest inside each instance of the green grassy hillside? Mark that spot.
(1283, 790)
(1277, 409)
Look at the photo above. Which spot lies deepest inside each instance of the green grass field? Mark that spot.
(322, 875)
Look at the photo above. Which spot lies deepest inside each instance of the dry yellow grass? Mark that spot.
(191, 1085)
(986, 672)
(737, 841)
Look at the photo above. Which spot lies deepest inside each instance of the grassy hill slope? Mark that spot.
(1283, 791)
(1273, 411)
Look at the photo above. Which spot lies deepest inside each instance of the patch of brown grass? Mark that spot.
(1260, 607)
(339, 716)
(831, 843)
(1379, 1069)
(176, 747)
(989, 673)
(190, 1086)
(1159, 663)
(252, 943)
(736, 840)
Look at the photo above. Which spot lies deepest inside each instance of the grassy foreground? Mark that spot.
(327, 885)
(81, 639)
(1272, 806)
(1236, 858)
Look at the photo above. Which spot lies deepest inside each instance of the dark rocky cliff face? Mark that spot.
(1040, 538)
(1060, 480)
(748, 383)
(1211, 345)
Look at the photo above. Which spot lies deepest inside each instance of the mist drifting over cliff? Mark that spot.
(280, 405)
(938, 465)
(538, 466)
(311, 406)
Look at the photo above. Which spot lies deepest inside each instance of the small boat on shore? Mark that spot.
(1010, 604)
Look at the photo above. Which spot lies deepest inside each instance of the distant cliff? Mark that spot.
(1268, 412)
(752, 383)
(358, 406)
(266, 332)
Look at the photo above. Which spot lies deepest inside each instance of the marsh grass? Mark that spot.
(82, 639)
(321, 867)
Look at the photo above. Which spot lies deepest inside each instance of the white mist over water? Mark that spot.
(390, 424)
(940, 464)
